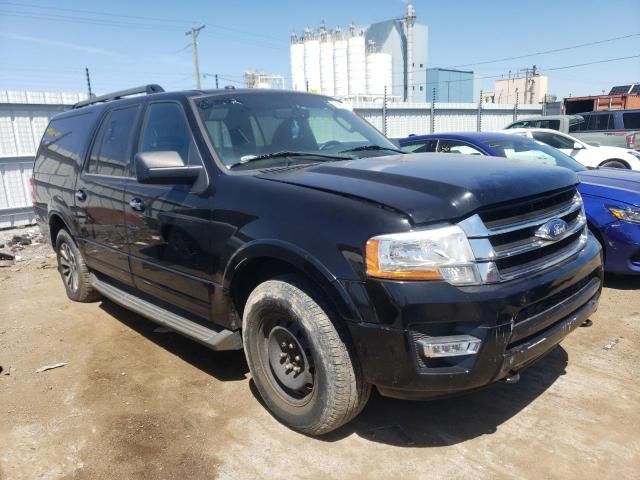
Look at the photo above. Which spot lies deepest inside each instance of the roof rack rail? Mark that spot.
(148, 89)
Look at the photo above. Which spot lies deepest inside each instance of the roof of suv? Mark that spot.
(135, 95)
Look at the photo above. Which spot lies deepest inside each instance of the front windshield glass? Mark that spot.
(519, 148)
(243, 126)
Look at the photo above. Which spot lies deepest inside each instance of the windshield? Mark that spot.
(519, 148)
(274, 126)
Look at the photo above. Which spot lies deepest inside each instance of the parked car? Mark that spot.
(611, 196)
(615, 128)
(588, 155)
(283, 224)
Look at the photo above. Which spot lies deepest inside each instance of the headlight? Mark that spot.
(635, 153)
(432, 254)
(628, 214)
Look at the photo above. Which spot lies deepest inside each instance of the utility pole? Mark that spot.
(194, 42)
(86, 71)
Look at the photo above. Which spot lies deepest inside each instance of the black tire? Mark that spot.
(73, 270)
(317, 385)
(614, 164)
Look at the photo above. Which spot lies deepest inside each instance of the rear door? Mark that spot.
(99, 195)
(168, 226)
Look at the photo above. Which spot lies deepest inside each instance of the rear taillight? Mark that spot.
(631, 140)
(32, 187)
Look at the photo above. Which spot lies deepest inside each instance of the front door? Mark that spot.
(99, 195)
(168, 226)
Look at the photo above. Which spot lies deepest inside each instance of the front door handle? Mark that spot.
(136, 204)
(81, 195)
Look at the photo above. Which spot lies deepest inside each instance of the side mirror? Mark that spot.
(164, 168)
(578, 146)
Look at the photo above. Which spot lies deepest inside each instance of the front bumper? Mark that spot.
(518, 322)
(622, 247)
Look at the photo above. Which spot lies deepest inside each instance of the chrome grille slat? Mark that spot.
(509, 249)
(557, 213)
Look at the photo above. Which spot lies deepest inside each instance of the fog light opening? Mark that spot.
(454, 346)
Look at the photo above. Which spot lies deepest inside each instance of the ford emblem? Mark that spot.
(554, 229)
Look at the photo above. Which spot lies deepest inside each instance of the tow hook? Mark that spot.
(586, 323)
(512, 379)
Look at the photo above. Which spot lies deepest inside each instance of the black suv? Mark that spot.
(282, 223)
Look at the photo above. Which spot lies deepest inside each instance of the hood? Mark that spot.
(430, 187)
(614, 183)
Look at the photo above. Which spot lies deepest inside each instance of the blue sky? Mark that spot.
(46, 45)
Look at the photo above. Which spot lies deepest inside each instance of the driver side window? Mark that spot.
(165, 128)
(457, 146)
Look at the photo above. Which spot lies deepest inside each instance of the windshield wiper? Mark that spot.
(363, 148)
(287, 153)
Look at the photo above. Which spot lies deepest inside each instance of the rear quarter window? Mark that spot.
(63, 147)
(631, 121)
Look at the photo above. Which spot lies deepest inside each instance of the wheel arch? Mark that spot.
(261, 260)
(624, 162)
(56, 223)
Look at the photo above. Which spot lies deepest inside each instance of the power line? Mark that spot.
(174, 21)
(545, 52)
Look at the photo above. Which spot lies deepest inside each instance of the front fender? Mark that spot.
(301, 260)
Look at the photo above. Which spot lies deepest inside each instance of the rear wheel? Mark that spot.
(614, 164)
(301, 358)
(73, 270)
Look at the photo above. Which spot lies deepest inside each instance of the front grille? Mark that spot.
(504, 238)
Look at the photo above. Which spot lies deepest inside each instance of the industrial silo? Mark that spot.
(357, 61)
(297, 63)
(379, 73)
(326, 62)
(312, 61)
(340, 64)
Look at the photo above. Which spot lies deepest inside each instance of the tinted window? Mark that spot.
(166, 129)
(111, 150)
(556, 141)
(419, 147)
(457, 146)
(63, 145)
(631, 120)
(595, 122)
(550, 124)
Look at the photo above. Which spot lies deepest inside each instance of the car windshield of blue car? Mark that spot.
(532, 151)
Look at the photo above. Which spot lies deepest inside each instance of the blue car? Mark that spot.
(611, 196)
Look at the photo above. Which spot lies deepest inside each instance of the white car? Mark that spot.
(591, 156)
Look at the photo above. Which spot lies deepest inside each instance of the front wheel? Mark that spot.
(300, 357)
(614, 164)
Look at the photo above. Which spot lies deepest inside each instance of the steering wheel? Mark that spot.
(329, 144)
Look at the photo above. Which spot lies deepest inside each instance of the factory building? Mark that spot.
(259, 79)
(451, 86)
(530, 89)
(362, 61)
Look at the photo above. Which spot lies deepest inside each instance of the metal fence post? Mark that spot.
(433, 112)
(480, 113)
(384, 112)
(515, 107)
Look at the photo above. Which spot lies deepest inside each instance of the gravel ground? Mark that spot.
(132, 402)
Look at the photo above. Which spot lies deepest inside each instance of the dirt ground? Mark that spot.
(132, 403)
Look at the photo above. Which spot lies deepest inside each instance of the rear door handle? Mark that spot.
(81, 195)
(136, 204)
